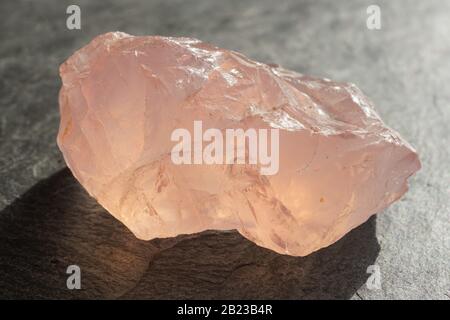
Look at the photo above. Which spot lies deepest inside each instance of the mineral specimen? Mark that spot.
(131, 104)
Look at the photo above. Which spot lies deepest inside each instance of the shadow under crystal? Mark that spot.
(56, 224)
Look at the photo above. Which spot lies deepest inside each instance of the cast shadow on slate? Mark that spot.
(56, 224)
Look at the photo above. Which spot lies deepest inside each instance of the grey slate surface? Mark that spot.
(48, 222)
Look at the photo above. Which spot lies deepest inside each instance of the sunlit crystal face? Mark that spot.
(124, 98)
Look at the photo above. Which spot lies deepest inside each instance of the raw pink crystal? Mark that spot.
(123, 96)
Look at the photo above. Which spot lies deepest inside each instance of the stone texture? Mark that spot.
(48, 222)
(123, 96)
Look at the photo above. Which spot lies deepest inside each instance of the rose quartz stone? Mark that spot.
(122, 97)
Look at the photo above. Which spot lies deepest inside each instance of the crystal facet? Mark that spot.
(123, 96)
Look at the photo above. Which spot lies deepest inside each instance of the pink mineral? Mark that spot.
(124, 96)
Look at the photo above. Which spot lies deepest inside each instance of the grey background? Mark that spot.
(47, 221)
